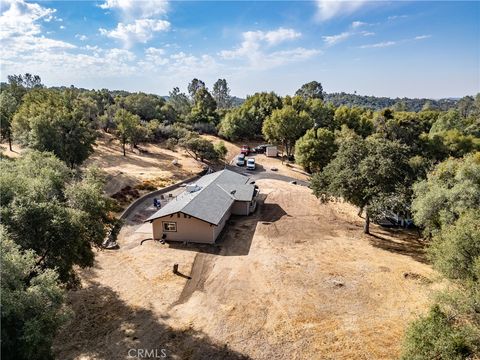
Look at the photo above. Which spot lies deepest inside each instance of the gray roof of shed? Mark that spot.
(214, 198)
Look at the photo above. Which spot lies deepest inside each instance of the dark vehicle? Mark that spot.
(245, 150)
(260, 149)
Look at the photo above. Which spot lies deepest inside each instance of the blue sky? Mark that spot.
(382, 48)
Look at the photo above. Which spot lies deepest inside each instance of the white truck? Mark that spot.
(271, 151)
(251, 164)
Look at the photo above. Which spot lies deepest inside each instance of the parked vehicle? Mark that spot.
(260, 149)
(241, 160)
(251, 164)
(271, 151)
(245, 150)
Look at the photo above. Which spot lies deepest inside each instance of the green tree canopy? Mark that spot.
(447, 192)
(204, 108)
(199, 148)
(180, 102)
(32, 304)
(221, 150)
(127, 127)
(322, 114)
(246, 121)
(45, 209)
(20, 84)
(194, 86)
(285, 126)
(311, 90)
(315, 149)
(447, 205)
(221, 94)
(47, 120)
(364, 172)
(435, 336)
(355, 119)
(8, 106)
(146, 106)
(236, 125)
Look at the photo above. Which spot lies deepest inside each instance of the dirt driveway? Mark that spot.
(296, 280)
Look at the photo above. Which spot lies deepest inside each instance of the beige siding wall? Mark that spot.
(188, 229)
(240, 208)
(221, 225)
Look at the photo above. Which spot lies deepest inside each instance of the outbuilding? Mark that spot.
(271, 151)
(200, 213)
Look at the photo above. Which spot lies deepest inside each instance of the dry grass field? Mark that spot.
(296, 280)
(152, 167)
(153, 164)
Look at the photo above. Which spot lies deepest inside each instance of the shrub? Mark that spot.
(221, 150)
(436, 336)
(171, 143)
(205, 128)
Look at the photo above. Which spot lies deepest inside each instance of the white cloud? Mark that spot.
(139, 31)
(379, 45)
(357, 24)
(256, 49)
(354, 30)
(21, 18)
(253, 41)
(155, 57)
(137, 8)
(61, 27)
(391, 43)
(283, 57)
(328, 9)
(141, 19)
(91, 63)
(394, 17)
(275, 37)
(421, 37)
(331, 40)
(21, 33)
(26, 48)
(182, 62)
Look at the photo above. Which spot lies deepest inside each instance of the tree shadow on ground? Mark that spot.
(399, 241)
(105, 327)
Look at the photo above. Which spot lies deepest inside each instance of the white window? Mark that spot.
(169, 226)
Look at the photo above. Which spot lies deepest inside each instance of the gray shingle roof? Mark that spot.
(239, 192)
(213, 199)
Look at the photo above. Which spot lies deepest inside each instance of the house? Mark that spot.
(200, 212)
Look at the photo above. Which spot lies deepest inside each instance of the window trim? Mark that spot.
(168, 222)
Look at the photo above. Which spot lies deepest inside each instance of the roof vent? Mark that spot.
(192, 188)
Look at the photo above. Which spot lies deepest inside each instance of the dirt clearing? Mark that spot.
(263, 162)
(295, 280)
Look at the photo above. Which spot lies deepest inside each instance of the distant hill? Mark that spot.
(377, 103)
(342, 98)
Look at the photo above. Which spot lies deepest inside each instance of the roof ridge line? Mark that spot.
(228, 193)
